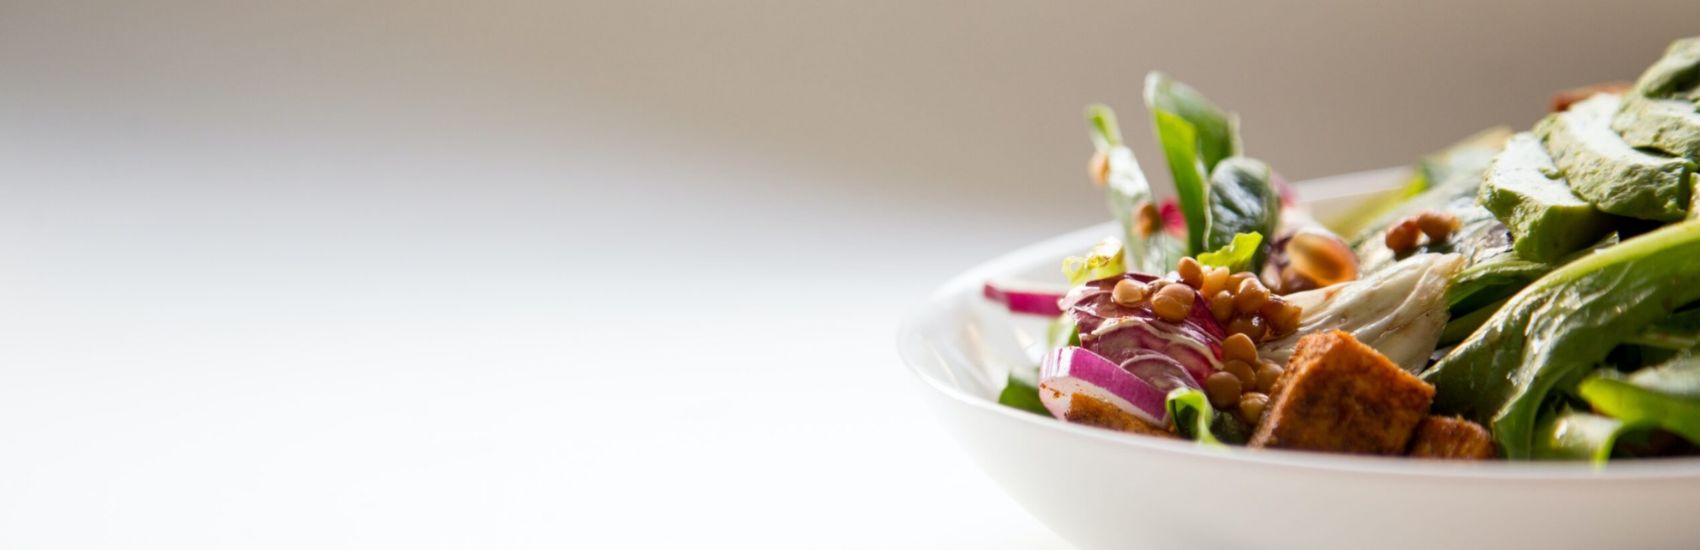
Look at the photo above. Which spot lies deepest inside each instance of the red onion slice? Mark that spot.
(1071, 370)
(1024, 300)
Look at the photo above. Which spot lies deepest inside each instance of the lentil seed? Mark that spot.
(1222, 306)
(1242, 371)
(1251, 407)
(1251, 296)
(1239, 347)
(1215, 280)
(1267, 374)
(1402, 237)
(1223, 389)
(1191, 272)
(1173, 303)
(1129, 293)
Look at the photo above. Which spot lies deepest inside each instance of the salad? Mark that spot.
(1526, 295)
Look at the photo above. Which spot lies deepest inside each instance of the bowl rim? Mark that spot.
(913, 348)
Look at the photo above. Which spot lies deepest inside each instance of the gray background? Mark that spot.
(499, 274)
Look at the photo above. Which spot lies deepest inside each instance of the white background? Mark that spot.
(419, 275)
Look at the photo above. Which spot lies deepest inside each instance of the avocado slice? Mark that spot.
(1546, 220)
(1668, 125)
(1609, 173)
(1675, 74)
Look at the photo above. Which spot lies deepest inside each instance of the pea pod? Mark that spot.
(1554, 331)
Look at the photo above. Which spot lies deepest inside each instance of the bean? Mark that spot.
(1250, 325)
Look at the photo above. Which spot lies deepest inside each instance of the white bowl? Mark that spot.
(1104, 489)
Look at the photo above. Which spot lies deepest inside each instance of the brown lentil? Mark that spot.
(1250, 325)
(1438, 226)
(1215, 280)
(1283, 316)
(1239, 347)
(1402, 237)
(1251, 296)
(1173, 303)
(1251, 407)
(1129, 293)
(1222, 306)
(1223, 389)
(1242, 371)
(1191, 272)
(1099, 168)
(1267, 374)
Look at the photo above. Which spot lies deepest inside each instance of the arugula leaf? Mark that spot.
(1549, 334)
(1237, 256)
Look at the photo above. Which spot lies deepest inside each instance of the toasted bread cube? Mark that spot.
(1084, 409)
(1339, 395)
(1452, 438)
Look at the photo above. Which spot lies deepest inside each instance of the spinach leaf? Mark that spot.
(1023, 395)
(1667, 396)
(1551, 333)
(1575, 435)
(1195, 136)
(1195, 419)
(1242, 200)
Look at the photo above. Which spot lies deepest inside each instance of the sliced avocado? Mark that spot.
(1668, 125)
(1609, 173)
(1675, 73)
(1546, 220)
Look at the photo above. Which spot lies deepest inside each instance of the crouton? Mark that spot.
(1084, 409)
(1452, 437)
(1339, 395)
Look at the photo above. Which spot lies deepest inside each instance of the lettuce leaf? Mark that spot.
(1237, 256)
(1126, 190)
(1667, 396)
(1195, 419)
(1242, 200)
(1103, 260)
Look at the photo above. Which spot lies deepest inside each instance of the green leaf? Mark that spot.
(1667, 396)
(1023, 395)
(1237, 256)
(1180, 145)
(1573, 435)
(1195, 419)
(1062, 332)
(1217, 131)
(1103, 260)
(1190, 410)
(1195, 136)
(1242, 200)
(1491, 281)
(1554, 331)
(1679, 332)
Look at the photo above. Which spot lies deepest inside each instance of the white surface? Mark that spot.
(1107, 490)
(533, 274)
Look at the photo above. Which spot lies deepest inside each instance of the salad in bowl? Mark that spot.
(1526, 295)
